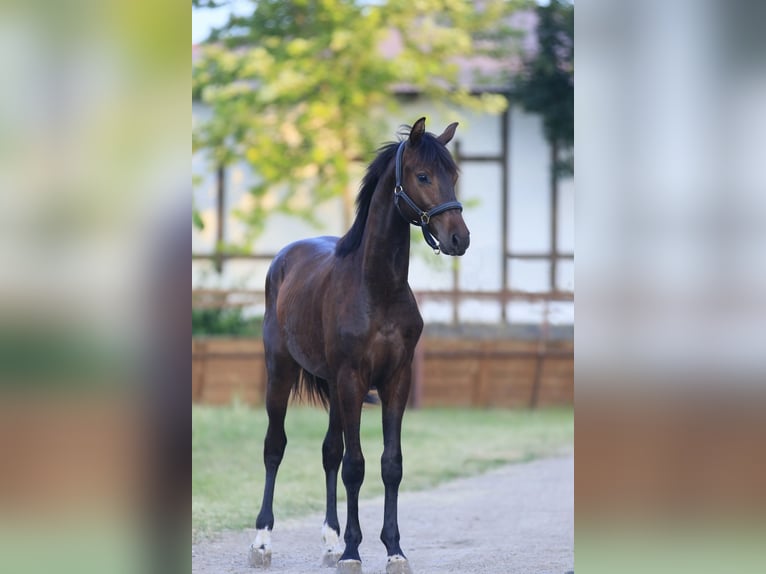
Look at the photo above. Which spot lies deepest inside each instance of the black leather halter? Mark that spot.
(423, 217)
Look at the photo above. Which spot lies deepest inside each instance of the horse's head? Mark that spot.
(426, 182)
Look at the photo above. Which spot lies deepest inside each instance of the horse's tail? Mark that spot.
(315, 390)
(312, 389)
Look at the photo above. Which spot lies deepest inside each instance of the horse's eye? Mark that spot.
(422, 178)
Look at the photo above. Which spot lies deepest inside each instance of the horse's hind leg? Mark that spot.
(282, 373)
(332, 453)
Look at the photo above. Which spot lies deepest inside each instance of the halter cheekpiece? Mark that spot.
(423, 217)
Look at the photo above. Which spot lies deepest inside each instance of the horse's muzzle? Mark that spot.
(457, 245)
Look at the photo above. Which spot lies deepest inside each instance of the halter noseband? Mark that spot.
(424, 217)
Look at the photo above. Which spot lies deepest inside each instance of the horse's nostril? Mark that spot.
(455, 239)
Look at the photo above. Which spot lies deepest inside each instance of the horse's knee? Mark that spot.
(274, 449)
(353, 470)
(391, 469)
(274, 444)
(332, 451)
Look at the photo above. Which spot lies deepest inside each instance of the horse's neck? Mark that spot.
(386, 243)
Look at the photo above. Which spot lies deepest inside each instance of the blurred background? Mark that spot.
(94, 195)
(671, 237)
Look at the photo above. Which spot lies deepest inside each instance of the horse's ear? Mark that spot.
(448, 133)
(417, 131)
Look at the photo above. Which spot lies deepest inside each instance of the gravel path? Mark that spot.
(517, 519)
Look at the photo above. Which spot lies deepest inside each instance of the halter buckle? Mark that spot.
(425, 218)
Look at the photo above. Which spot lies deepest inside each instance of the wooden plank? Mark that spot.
(490, 373)
(234, 346)
(227, 378)
(198, 370)
(511, 383)
(448, 382)
(481, 386)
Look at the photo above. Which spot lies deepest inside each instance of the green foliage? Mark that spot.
(197, 221)
(546, 85)
(227, 321)
(300, 92)
(227, 450)
(208, 3)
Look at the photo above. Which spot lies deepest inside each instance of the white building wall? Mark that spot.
(479, 189)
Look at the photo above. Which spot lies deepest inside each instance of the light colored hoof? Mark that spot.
(260, 549)
(349, 567)
(398, 565)
(332, 547)
(330, 558)
(260, 557)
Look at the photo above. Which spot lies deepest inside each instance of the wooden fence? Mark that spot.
(447, 372)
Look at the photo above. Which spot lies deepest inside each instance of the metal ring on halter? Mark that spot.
(425, 218)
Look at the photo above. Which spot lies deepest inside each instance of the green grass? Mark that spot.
(437, 444)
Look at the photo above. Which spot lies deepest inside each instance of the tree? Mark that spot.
(299, 89)
(546, 85)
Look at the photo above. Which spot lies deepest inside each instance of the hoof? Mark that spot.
(349, 567)
(398, 565)
(332, 546)
(330, 558)
(260, 557)
(260, 549)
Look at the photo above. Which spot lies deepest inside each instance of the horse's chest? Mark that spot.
(376, 341)
(393, 340)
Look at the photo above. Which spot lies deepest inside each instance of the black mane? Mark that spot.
(353, 238)
(430, 151)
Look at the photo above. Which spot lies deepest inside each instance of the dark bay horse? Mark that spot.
(341, 319)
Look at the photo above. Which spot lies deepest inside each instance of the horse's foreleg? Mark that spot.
(281, 375)
(393, 401)
(332, 453)
(351, 393)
